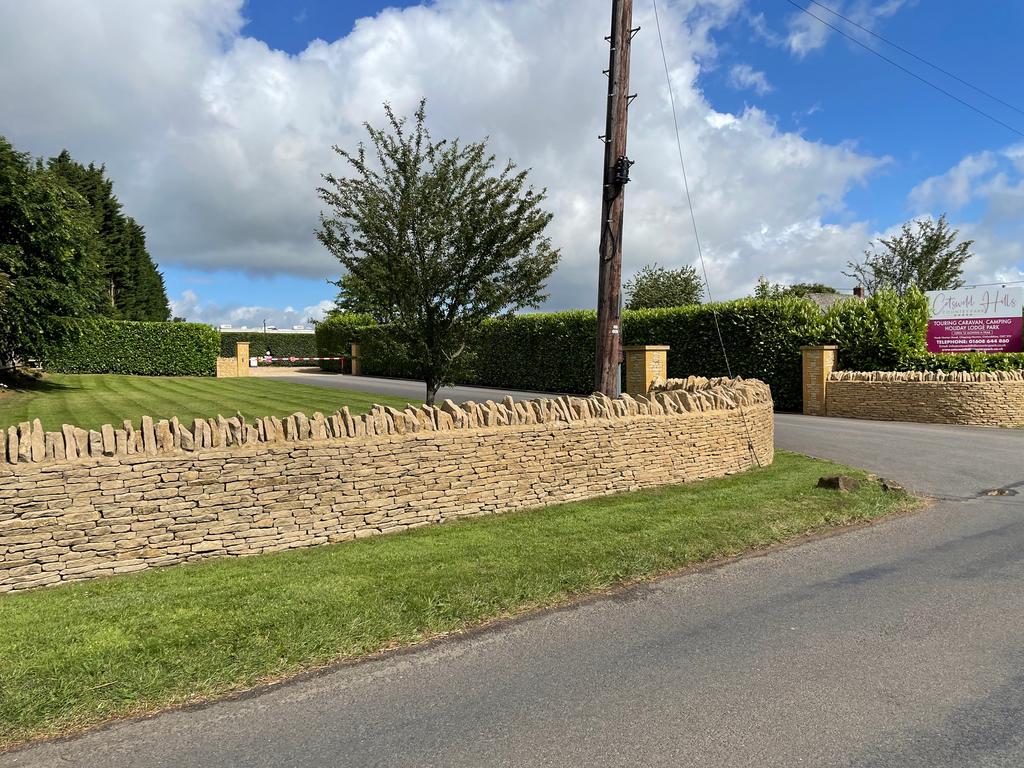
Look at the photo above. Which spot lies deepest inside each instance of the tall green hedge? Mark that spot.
(279, 344)
(887, 332)
(335, 334)
(97, 345)
(554, 352)
(762, 340)
(546, 352)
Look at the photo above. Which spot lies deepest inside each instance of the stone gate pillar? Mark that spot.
(644, 364)
(818, 362)
(242, 358)
(357, 366)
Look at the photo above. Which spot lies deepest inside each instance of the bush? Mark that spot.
(546, 352)
(884, 333)
(554, 352)
(968, 361)
(279, 344)
(762, 339)
(335, 335)
(95, 345)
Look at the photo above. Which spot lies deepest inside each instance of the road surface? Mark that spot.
(413, 391)
(900, 644)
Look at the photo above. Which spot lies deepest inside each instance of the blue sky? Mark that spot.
(802, 145)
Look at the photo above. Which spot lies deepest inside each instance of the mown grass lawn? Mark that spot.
(76, 655)
(91, 400)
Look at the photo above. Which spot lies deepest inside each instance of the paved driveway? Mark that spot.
(901, 645)
(411, 390)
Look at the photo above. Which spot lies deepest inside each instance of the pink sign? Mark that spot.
(976, 319)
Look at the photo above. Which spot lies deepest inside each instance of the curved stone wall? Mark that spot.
(76, 505)
(990, 399)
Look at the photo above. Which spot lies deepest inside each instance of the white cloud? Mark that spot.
(992, 183)
(955, 188)
(217, 142)
(744, 76)
(192, 307)
(805, 33)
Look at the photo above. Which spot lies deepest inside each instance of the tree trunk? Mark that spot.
(432, 388)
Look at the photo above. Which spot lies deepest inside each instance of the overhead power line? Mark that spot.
(693, 221)
(902, 68)
(913, 55)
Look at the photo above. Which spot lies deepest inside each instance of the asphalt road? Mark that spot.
(411, 390)
(900, 644)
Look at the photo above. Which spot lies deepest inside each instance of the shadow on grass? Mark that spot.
(18, 381)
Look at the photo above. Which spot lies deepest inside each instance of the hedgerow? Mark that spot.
(96, 345)
(278, 344)
(554, 352)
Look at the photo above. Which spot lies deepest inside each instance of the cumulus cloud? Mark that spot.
(744, 76)
(957, 187)
(217, 141)
(992, 183)
(805, 33)
(191, 306)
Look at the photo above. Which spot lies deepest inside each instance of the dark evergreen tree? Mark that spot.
(127, 285)
(47, 255)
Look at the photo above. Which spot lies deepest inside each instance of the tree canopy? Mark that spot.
(767, 290)
(927, 254)
(66, 249)
(433, 240)
(653, 287)
(47, 255)
(128, 285)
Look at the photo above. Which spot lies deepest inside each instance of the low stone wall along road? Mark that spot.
(894, 646)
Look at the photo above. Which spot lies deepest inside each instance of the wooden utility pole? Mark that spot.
(616, 174)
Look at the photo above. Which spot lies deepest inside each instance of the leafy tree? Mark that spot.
(653, 287)
(766, 290)
(930, 258)
(127, 285)
(47, 254)
(433, 242)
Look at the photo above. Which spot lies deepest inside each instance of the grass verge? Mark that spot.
(77, 655)
(91, 400)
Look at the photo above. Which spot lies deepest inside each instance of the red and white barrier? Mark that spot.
(267, 359)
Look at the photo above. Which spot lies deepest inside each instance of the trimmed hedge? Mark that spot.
(554, 352)
(884, 333)
(968, 361)
(546, 352)
(335, 334)
(280, 344)
(762, 339)
(96, 345)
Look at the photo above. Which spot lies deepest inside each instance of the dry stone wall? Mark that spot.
(991, 399)
(76, 504)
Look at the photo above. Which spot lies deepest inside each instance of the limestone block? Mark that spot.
(82, 442)
(70, 444)
(148, 436)
(52, 439)
(302, 422)
(164, 438)
(95, 443)
(13, 453)
(186, 440)
(129, 430)
(37, 441)
(107, 440)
